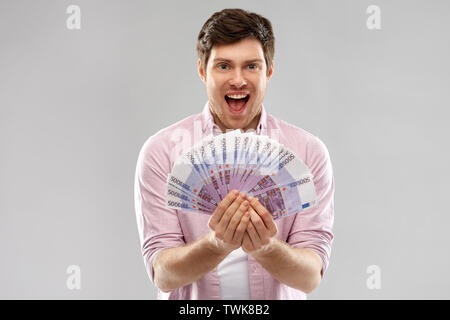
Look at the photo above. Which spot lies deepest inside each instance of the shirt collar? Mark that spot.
(209, 125)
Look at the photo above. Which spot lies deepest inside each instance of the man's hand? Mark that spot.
(179, 266)
(229, 222)
(260, 231)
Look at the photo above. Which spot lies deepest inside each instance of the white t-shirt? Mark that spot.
(233, 276)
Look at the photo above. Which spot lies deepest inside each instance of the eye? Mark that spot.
(222, 66)
(253, 66)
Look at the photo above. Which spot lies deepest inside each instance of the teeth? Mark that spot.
(237, 96)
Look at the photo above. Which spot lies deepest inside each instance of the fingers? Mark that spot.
(239, 221)
(247, 244)
(258, 233)
(221, 208)
(222, 225)
(235, 220)
(258, 228)
(253, 234)
(265, 216)
(241, 228)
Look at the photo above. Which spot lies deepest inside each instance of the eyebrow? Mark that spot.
(247, 61)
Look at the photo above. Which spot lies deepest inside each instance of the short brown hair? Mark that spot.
(232, 25)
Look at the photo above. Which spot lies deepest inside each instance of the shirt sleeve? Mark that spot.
(158, 226)
(312, 228)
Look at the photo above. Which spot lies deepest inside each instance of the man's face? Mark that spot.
(236, 80)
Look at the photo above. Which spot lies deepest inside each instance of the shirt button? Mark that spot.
(255, 268)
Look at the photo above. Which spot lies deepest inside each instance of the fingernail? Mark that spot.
(245, 203)
(243, 195)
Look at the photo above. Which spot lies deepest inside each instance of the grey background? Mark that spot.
(76, 106)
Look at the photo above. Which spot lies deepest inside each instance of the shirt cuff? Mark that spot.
(149, 265)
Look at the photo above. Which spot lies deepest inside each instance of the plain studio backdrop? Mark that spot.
(76, 106)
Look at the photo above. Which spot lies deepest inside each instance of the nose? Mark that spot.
(237, 79)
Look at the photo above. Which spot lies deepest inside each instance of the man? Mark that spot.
(239, 252)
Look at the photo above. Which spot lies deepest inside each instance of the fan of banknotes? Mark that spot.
(254, 164)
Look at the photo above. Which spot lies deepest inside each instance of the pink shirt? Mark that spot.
(160, 227)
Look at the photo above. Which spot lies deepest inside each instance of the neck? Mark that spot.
(252, 125)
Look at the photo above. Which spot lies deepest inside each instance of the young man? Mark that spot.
(239, 252)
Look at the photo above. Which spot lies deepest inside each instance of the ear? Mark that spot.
(201, 72)
(269, 75)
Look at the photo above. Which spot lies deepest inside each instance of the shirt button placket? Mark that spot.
(256, 280)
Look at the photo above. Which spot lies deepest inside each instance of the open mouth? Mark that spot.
(237, 104)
